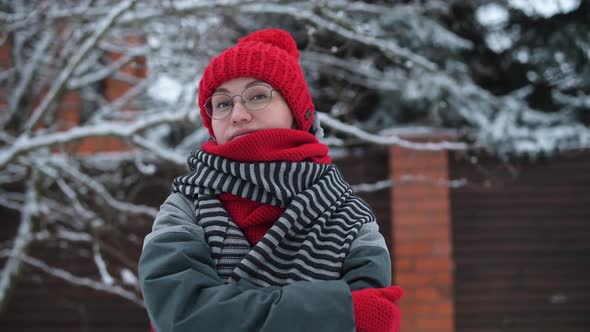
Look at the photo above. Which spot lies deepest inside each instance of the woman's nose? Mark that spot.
(240, 113)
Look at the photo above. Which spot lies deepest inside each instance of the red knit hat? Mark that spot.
(269, 55)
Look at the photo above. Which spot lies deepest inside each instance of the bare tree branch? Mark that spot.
(62, 79)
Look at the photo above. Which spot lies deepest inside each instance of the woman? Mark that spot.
(264, 234)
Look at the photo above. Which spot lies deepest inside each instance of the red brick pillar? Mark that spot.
(421, 239)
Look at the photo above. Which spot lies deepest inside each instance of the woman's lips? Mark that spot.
(240, 134)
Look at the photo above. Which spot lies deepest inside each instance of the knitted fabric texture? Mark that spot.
(375, 309)
(253, 218)
(320, 212)
(269, 55)
(272, 145)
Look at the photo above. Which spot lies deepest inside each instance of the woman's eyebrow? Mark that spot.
(254, 82)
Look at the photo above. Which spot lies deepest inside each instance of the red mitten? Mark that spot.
(375, 309)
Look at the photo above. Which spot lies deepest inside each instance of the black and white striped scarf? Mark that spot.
(308, 242)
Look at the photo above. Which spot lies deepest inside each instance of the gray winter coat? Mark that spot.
(183, 292)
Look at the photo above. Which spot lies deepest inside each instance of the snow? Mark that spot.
(523, 56)
(393, 140)
(499, 41)
(166, 89)
(371, 187)
(545, 8)
(494, 17)
(129, 277)
(75, 60)
(102, 266)
(149, 114)
(65, 234)
(21, 241)
(82, 281)
(491, 15)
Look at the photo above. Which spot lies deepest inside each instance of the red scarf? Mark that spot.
(253, 218)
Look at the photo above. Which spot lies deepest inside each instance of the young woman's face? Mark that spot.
(241, 121)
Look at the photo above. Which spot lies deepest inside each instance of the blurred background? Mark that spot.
(464, 124)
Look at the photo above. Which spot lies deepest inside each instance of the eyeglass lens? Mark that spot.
(254, 98)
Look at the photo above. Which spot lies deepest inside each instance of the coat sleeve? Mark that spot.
(182, 291)
(367, 264)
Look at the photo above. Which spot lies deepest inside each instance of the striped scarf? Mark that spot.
(308, 242)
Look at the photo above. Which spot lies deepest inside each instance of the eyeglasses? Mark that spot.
(254, 98)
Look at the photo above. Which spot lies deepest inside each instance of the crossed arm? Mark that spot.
(183, 292)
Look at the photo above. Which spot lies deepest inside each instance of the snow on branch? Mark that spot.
(25, 144)
(159, 151)
(581, 100)
(412, 178)
(371, 187)
(101, 29)
(105, 72)
(101, 265)
(76, 280)
(99, 189)
(406, 179)
(21, 241)
(26, 74)
(388, 47)
(352, 70)
(120, 103)
(11, 200)
(380, 140)
(70, 193)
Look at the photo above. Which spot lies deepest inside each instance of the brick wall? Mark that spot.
(521, 243)
(421, 246)
(5, 63)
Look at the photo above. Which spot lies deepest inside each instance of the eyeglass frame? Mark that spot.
(233, 104)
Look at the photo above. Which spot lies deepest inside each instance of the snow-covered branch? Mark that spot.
(404, 180)
(389, 47)
(25, 144)
(105, 72)
(21, 241)
(76, 280)
(384, 73)
(99, 190)
(26, 74)
(101, 265)
(380, 140)
(61, 81)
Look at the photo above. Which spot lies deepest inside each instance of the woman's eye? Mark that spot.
(259, 97)
(222, 106)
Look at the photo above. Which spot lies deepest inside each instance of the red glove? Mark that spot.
(375, 309)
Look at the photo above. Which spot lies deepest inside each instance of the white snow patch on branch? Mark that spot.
(21, 241)
(76, 280)
(102, 266)
(393, 140)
